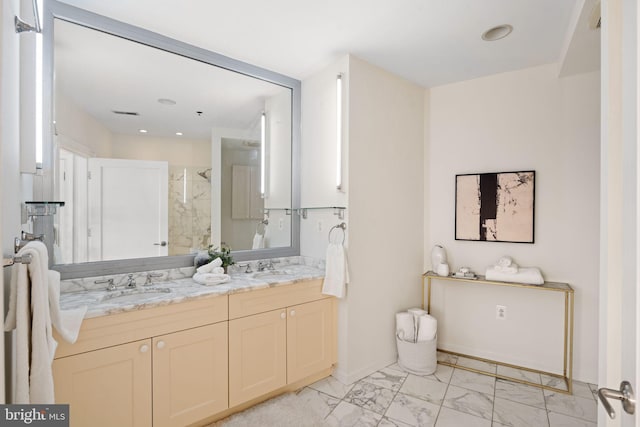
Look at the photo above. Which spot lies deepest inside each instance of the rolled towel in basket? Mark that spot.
(405, 329)
(427, 328)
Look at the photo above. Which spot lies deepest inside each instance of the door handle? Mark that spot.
(625, 395)
(163, 243)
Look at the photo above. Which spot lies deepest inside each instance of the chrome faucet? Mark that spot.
(131, 283)
(248, 266)
(266, 265)
(110, 285)
(150, 276)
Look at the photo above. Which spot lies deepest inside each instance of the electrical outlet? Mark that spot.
(280, 224)
(319, 226)
(501, 312)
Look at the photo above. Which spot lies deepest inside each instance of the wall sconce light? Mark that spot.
(339, 132)
(31, 126)
(263, 144)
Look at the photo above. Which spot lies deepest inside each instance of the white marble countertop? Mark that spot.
(102, 302)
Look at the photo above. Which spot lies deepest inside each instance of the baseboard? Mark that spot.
(351, 377)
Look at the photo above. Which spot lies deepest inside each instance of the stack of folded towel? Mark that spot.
(505, 270)
(211, 273)
(415, 325)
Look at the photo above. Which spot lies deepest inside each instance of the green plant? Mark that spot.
(223, 252)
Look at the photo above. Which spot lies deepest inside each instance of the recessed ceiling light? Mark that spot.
(179, 133)
(166, 101)
(142, 131)
(497, 33)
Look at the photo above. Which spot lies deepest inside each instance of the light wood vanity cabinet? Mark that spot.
(107, 387)
(184, 363)
(278, 347)
(168, 379)
(257, 355)
(190, 375)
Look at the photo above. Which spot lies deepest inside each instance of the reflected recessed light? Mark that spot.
(497, 33)
(142, 131)
(166, 101)
(179, 133)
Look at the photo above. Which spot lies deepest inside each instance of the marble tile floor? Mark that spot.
(449, 397)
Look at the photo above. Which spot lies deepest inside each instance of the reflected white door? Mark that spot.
(128, 204)
(620, 235)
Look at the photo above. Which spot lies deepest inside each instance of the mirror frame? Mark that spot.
(45, 184)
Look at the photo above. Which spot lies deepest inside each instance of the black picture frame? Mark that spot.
(495, 207)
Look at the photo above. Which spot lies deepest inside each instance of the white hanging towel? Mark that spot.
(336, 274)
(258, 241)
(34, 306)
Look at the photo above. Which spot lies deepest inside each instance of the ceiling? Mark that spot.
(429, 42)
(99, 74)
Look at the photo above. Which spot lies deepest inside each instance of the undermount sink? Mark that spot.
(133, 294)
(271, 274)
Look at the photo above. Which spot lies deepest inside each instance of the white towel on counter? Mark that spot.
(505, 265)
(208, 268)
(34, 307)
(427, 328)
(526, 275)
(405, 326)
(336, 274)
(210, 279)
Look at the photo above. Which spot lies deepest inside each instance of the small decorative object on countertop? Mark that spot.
(224, 253)
(439, 260)
(465, 273)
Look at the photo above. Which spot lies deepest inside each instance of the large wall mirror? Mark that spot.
(160, 149)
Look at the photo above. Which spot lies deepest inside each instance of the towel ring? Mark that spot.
(342, 226)
(263, 229)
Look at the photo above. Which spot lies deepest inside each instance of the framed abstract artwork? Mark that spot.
(495, 207)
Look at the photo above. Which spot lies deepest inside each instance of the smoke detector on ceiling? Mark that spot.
(595, 20)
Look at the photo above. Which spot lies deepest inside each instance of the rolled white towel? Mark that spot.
(511, 269)
(209, 279)
(427, 328)
(405, 329)
(208, 268)
(217, 270)
(526, 275)
(505, 261)
(417, 311)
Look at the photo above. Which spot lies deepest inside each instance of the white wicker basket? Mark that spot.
(418, 358)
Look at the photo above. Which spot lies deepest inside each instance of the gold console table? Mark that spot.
(568, 329)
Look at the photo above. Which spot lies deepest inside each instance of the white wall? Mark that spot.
(16, 187)
(384, 187)
(79, 131)
(523, 120)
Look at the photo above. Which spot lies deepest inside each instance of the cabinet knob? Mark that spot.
(293, 312)
(144, 348)
(283, 315)
(160, 345)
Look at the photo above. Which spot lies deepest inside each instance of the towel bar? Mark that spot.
(25, 259)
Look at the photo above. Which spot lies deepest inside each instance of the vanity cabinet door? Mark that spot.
(257, 355)
(107, 387)
(190, 375)
(310, 339)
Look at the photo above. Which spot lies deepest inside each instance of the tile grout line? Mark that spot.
(384, 414)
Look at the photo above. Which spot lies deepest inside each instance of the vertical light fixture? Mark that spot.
(184, 186)
(339, 132)
(263, 144)
(38, 83)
